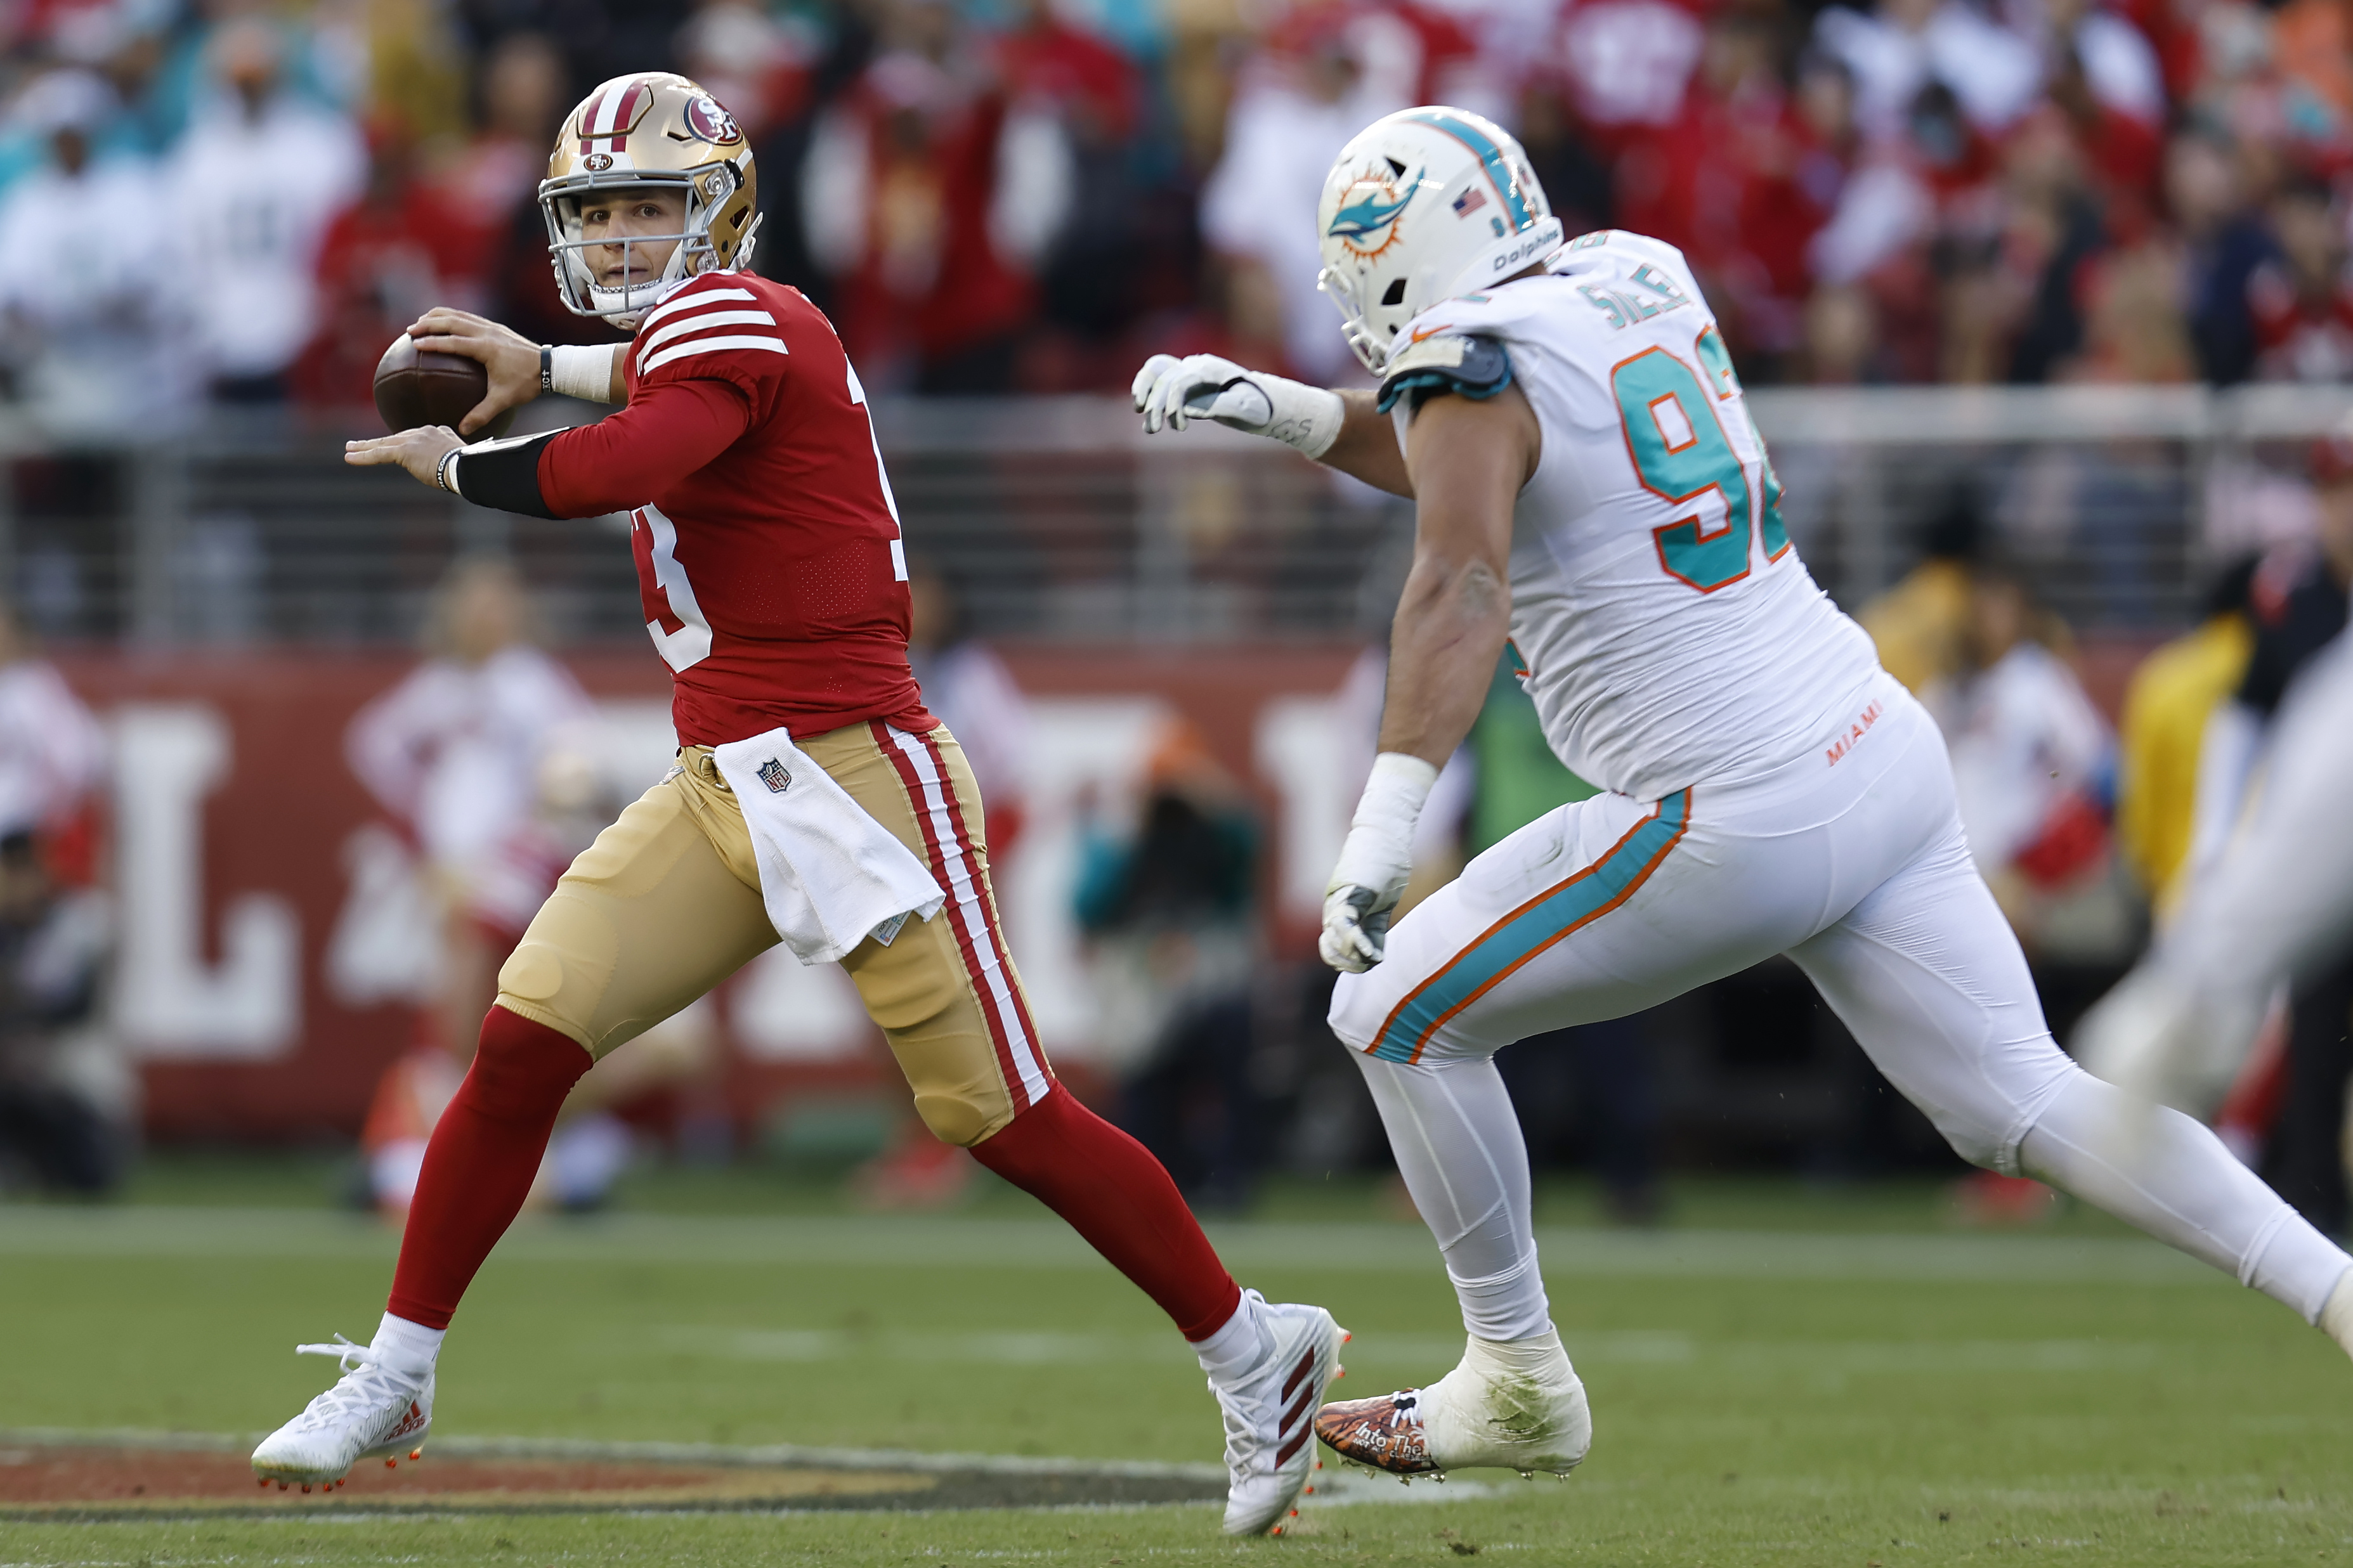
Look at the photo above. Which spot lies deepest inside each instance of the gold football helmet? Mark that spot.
(649, 129)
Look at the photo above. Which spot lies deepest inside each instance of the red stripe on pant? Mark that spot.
(967, 945)
(987, 902)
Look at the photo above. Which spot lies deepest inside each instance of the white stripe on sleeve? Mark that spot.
(679, 329)
(693, 301)
(712, 345)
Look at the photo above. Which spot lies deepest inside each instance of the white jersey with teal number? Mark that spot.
(1670, 634)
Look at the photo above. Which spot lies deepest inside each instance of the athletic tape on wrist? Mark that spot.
(1400, 784)
(1307, 418)
(1379, 847)
(581, 371)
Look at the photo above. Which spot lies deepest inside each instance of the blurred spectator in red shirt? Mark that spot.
(757, 63)
(1723, 183)
(522, 91)
(930, 199)
(1116, 253)
(1626, 64)
(2302, 299)
(401, 249)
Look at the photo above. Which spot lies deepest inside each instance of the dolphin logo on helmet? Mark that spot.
(1381, 271)
(1377, 209)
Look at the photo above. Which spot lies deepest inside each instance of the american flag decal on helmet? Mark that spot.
(773, 774)
(606, 118)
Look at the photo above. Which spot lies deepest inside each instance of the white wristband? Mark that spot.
(1305, 418)
(583, 371)
(1379, 847)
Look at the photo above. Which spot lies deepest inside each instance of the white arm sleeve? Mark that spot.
(583, 372)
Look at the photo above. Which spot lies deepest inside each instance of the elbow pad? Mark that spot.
(503, 475)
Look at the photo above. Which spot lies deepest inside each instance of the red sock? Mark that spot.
(479, 1166)
(1112, 1192)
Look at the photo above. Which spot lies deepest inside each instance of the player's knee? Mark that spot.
(522, 1067)
(962, 1119)
(562, 972)
(1984, 1140)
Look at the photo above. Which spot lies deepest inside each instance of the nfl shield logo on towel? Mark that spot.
(773, 774)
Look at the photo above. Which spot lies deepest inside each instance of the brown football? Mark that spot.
(413, 389)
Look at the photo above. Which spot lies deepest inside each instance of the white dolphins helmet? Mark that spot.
(1424, 204)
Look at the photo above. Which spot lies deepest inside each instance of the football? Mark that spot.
(415, 388)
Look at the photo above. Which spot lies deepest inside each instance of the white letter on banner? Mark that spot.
(1299, 752)
(168, 1002)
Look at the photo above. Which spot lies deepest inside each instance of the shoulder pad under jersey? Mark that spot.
(1476, 367)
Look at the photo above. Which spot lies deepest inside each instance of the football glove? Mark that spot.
(1374, 863)
(1171, 391)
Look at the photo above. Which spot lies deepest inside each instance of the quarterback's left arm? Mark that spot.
(670, 429)
(1468, 460)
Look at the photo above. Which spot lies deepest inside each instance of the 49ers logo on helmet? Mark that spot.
(711, 122)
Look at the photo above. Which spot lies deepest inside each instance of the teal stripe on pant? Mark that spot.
(1530, 928)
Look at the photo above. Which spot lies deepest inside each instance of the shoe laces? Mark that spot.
(366, 1386)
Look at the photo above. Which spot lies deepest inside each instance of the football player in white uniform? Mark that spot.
(1588, 484)
(2276, 909)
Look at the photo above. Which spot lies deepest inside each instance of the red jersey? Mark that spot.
(769, 561)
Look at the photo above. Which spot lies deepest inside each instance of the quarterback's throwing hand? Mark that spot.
(510, 360)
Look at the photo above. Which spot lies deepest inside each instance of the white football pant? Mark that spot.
(1850, 859)
(2276, 908)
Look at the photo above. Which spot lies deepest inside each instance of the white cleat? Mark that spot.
(372, 1412)
(1516, 1407)
(1269, 1416)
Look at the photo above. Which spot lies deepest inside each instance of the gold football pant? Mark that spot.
(666, 904)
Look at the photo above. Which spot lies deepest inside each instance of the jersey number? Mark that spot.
(672, 618)
(1681, 453)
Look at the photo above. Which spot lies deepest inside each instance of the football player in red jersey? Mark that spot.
(775, 588)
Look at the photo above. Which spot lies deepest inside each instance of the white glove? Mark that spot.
(1375, 864)
(1171, 391)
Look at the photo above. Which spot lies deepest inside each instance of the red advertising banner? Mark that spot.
(260, 893)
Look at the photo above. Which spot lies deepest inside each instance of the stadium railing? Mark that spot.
(1062, 523)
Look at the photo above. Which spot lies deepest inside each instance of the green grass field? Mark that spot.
(1778, 1376)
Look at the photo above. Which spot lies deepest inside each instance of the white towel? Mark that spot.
(829, 874)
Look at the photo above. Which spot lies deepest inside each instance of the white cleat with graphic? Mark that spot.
(1269, 1416)
(1517, 1408)
(372, 1412)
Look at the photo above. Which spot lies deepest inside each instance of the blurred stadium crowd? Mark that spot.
(1027, 195)
(240, 203)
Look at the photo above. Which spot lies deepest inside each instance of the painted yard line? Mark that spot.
(896, 1242)
(779, 1455)
(1422, 1353)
